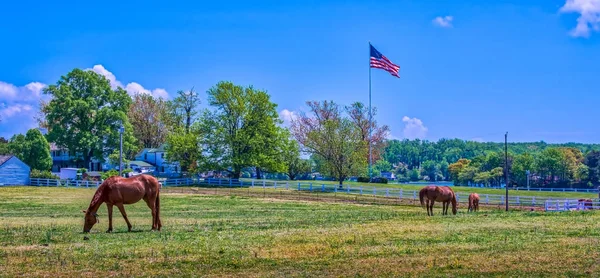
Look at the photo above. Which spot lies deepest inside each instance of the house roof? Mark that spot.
(141, 163)
(144, 150)
(160, 149)
(4, 158)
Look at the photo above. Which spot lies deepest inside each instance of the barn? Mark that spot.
(13, 171)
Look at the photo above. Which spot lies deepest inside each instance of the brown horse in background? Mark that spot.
(473, 202)
(442, 194)
(119, 191)
(587, 203)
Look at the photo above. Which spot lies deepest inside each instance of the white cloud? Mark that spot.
(445, 21)
(132, 87)
(31, 91)
(589, 16)
(8, 111)
(414, 128)
(287, 116)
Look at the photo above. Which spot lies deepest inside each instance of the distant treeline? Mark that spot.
(468, 162)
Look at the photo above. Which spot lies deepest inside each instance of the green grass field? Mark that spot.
(207, 235)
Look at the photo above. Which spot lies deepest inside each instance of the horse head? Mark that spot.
(90, 220)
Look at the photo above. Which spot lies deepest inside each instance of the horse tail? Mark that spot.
(454, 203)
(422, 197)
(157, 205)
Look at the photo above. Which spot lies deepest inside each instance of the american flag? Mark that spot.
(381, 62)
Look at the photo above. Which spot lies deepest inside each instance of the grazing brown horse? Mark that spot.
(442, 194)
(473, 202)
(587, 203)
(119, 191)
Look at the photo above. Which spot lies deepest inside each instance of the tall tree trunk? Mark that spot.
(258, 173)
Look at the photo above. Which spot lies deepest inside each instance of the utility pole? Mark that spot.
(121, 130)
(506, 168)
(527, 172)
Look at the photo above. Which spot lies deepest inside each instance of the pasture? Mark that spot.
(213, 235)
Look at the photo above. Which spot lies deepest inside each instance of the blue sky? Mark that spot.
(469, 69)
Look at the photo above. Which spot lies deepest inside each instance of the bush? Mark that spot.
(110, 173)
(380, 180)
(375, 180)
(362, 179)
(35, 173)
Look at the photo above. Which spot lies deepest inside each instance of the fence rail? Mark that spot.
(569, 205)
(488, 199)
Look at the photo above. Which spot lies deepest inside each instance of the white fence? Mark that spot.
(487, 199)
(569, 205)
(67, 183)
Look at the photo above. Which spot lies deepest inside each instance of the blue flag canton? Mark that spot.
(374, 53)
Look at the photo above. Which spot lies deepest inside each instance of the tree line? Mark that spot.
(468, 163)
(240, 132)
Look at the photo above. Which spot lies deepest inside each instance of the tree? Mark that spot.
(149, 118)
(185, 108)
(18, 146)
(414, 175)
(592, 161)
(184, 148)
(291, 158)
(548, 164)
(456, 168)
(522, 163)
(483, 178)
(37, 151)
(4, 146)
(430, 169)
(359, 114)
(381, 166)
(241, 131)
(113, 158)
(84, 115)
(332, 138)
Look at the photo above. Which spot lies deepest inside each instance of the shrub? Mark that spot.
(110, 173)
(362, 179)
(380, 180)
(35, 173)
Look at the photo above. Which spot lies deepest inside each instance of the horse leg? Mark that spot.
(122, 209)
(151, 202)
(431, 207)
(110, 210)
(444, 208)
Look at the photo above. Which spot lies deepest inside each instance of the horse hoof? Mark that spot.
(109, 231)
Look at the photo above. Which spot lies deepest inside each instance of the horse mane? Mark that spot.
(99, 195)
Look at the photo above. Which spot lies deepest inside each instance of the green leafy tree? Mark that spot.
(184, 148)
(113, 158)
(18, 146)
(414, 175)
(84, 115)
(241, 130)
(430, 169)
(592, 161)
(482, 178)
(37, 151)
(295, 166)
(522, 163)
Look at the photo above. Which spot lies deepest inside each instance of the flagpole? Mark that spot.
(370, 120)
